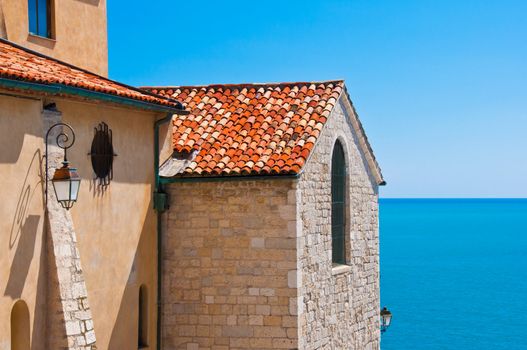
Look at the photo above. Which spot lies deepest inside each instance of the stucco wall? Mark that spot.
(229, 265)
(115, 228)
(80, 32)
(339, 305)
(22, 240)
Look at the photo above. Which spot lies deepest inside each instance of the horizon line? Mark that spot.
(452, 197)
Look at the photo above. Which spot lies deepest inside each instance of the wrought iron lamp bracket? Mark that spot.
(63, 141)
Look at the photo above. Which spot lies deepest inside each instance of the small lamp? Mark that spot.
(386, 319)
(66, 183)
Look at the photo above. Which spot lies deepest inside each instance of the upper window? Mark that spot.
(338, 204)
(40, 17)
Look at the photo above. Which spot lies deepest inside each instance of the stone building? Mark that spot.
(271, 240)
(259, 230)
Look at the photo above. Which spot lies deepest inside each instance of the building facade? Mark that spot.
(75, 279)
(72, 31)
(257, 215)
(258, 231)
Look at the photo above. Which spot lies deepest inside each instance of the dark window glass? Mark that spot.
(40, 17)
(338, 205)
(32, 12)
(42, 14)
(142, 331)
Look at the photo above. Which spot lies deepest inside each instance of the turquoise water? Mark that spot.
(454, 273)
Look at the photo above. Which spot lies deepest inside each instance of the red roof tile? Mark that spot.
(251, 129)
(20, 64)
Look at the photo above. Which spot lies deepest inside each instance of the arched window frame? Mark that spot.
(339, 205)
(20, 326)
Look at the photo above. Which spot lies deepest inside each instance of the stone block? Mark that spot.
(237, 331)
(263, 309)
(292, 279)
(90, 337)
(258, 242)
(268, 292)
(73, 327)
(192, 346)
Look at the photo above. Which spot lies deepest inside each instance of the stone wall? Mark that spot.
(247, 264)
(229, 263)
(69, 315)
(339, 305)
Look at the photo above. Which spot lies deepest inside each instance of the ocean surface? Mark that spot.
(454, 273)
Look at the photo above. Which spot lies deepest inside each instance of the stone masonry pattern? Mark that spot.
(339, 305)
(247, 263)
(230, 266)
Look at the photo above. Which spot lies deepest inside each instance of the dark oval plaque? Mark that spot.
(102, 154)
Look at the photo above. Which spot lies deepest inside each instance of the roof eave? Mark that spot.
(60, 89)
(365, 144)
(197, 178)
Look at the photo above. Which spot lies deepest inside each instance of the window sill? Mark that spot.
(340, 269)
(41, 40)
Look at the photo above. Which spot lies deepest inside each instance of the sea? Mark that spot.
(454, 273)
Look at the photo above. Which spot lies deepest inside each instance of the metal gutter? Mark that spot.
(58, 89)
(160, 205)
(157, 125)
(169, 180)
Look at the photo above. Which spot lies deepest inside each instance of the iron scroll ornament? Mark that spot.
(102, 154)
(63, 141)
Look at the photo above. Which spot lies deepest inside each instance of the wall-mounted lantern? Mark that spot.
(66, 182)
(386, 319)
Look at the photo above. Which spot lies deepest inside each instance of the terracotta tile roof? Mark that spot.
(20, 64)
(251, 129)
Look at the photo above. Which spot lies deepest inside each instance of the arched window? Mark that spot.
(20, 336)
(338, 204)
(142, 320)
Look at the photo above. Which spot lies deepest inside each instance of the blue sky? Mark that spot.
(440, 86)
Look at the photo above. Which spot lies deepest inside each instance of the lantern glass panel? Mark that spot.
(62, 189)
(75, 184)
(387, 320)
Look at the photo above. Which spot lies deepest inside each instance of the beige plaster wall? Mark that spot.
(79, 31)
(339, 305)
(22, 242)
(229, 265)
(115, 227)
